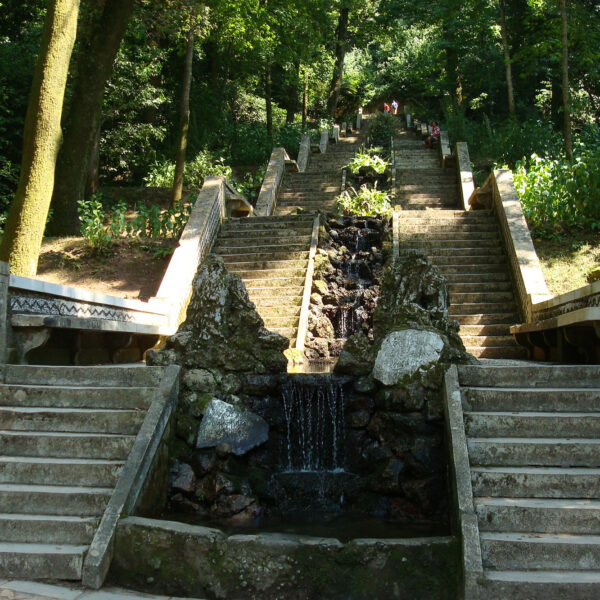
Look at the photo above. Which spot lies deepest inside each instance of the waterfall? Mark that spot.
(314, 419)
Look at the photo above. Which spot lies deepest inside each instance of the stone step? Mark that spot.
(269, 234)
(474, 308)
(91, 420)
(135, 376)
(546, 585)
(284, 277)
(265, 264)
(479, 261)
(486, 318)
(538, 515)
(532, 424)
(53, 500)
(65, 445)
(41, 561)
(503, 352)
(271, 312)
(288, 332)
(275, 291)
(263, 256)
(540, 551)
(453, 247)
(274, 301)
(48, 529)
(452, 275)
(76, 397)
(422, 226)
(59, 471)
(270, 220)
(477, 288)
(552, 376)
(536, 482)
(263, 244)
(443, 237)
(548, 452)
(484, 330)
(480, 297)
(296, 208)
(444, 216)
(488, 340)
(280, 322)
(309, 202)
(557, 400)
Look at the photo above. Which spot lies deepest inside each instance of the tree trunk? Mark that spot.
(94, 68)
(340, 54)
(305, 99)
(292, 95)
(268, 100)
(92, 184)
(507, 63)
(184, 122)
(565, 82)
(41, 141)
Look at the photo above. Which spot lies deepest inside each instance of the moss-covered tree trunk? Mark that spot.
(340, 55)
(95, 66)
(184, 123)
(305, 99)
(42, 137)
(269, 100)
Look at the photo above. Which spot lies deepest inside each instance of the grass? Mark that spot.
(568, 260)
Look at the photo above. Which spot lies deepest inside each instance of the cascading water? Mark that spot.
(314, 419)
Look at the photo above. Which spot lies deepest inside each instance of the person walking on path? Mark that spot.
(386, 107)
(395, 106)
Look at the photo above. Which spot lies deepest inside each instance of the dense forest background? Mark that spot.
(264, 71)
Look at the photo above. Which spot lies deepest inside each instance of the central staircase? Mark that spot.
(533, 439)
(464, 245)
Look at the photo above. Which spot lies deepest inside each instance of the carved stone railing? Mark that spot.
(465, 173)
(304, 153)
(32, 309)
(499, 194)
(445, 151)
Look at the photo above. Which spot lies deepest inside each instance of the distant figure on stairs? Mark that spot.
(386, 107)
(434, 135)
(395, 106)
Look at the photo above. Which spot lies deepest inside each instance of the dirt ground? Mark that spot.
(130, 269)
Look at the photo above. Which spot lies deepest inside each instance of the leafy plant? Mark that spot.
(93, 228)
(367, 201)
(382, 126)
(367, 163)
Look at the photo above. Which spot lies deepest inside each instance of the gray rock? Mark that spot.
(405, 352)
(223, 422)
(183, 478)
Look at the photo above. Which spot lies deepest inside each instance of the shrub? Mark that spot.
(367, 201)
(367, 163)
(382, 126)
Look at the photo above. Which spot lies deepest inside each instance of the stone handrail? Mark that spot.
(465, 174)
(303, 321)
(303, 153)
(359, 117)
(267, 197)
(525, 266)
(324, 141)
(195, 243)
(584, 297)
(445, 151)
(335, 133)
(135, 471)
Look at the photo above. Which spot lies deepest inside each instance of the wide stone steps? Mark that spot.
(261, 243)
(66, 434)
(533, 441)
(285, 294)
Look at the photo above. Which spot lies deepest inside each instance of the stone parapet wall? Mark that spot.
(587, 296)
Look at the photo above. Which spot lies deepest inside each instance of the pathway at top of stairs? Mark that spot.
(271, 256)
(464, 245)
(316, 189)
(533, 440)
(65, 435)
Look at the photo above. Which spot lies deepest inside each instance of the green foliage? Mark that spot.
(196, 171)
(367, 201)
(382, 126)
(92, 218)
(556, 194)
(367, 163)
(250, 186)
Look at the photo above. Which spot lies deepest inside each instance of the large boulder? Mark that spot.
(404, 353)
(225, 423)
(222, 329)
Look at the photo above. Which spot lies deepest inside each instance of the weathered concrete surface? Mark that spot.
(185, 559)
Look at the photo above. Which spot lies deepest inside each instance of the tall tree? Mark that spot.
(340, 54)
(95, 65)
(507, 62)
(27, 215)
(184, 121)
(565, 81)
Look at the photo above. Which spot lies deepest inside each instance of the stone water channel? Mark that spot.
(353, 459)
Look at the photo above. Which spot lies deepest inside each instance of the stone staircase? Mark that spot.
(65, 435)
(271, 256)
(421, 182)
(533, 439)
(316, 189)
(466, 248)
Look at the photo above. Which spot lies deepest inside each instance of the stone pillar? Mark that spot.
(359, 119)
(4, 280)
(408, 119)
